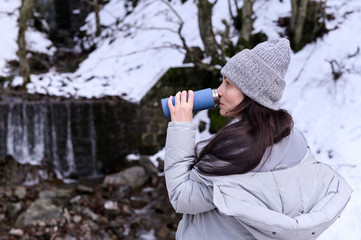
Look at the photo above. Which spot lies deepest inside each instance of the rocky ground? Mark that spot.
(131, 204)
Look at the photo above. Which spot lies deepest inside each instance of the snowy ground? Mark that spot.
(326, 111)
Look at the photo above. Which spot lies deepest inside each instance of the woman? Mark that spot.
(256, 178)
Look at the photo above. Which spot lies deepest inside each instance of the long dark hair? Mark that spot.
(239, 147)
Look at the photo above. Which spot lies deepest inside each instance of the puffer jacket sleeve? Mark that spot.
(187, 193)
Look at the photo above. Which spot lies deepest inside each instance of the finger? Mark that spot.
(177, 99)
(184, 97)
(191, 97)
(170, 104)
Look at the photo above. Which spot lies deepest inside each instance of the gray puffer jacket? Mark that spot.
(298, 202)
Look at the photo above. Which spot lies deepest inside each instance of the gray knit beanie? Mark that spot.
(259, 73)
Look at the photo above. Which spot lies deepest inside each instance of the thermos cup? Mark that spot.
(203, 99)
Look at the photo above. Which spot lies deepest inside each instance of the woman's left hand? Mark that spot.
(182, 111)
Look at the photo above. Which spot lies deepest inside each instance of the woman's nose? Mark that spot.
(219, 90)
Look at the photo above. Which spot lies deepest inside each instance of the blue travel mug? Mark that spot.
(203, 99)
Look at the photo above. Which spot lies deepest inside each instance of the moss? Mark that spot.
(202, 126)
(257, 38)
(217, 120)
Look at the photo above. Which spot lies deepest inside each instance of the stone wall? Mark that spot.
(78, 138)
(153, 126)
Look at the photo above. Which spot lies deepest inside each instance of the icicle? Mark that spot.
(10, 131)
(56, 163)
(69, 145)
(92, 141)
(24, 151)
(36, 154)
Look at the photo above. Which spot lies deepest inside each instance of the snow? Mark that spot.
(8, 18)
(129, 62)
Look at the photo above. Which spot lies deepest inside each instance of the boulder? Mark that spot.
(42, 210)
(14, 173)
(134, 176)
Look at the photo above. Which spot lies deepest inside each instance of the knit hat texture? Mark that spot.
(259, 73)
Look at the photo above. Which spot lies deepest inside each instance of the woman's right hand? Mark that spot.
(182, 111)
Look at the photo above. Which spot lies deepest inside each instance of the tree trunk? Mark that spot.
(97, 19)
(294, 10)
(247, 20)
(299, 11)
(206, 28)
(300, 21)
(25, 14)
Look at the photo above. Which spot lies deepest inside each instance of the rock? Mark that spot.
(111, 209)
(75, 199)
(160, 164)
(126, 209)
(149, 167)
(77, 219)
(13, 210)
(20, 192)
(68, 237)
(16, 232)
(42, 210)
(43, 224)
(66, 215)
(163, 232)
(89, 213)
(56, 193)
(10, 169)
(111, 205)
(134, 176)
(84, 189)
(8, 193)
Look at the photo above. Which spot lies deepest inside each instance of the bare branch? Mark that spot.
(337, 69)
(193, 56)
(225, 38)
(150, 28)
(355, 54)
(230, 9)
(9, 13)
(174, 11)
(236, 3)
(180, 24)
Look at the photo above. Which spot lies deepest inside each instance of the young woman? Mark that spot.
(256, 178)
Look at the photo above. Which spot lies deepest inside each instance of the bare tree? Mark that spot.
(247, 20)
(191, 52)
(216, 51)
(26, 11)
(206, 28)
(339, 67)
(97, 18)
(211, 47)
(299, 11)
(95, 4)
